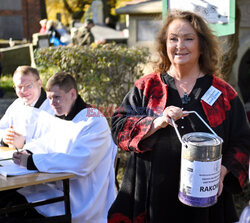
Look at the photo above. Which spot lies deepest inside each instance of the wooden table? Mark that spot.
(15, 182)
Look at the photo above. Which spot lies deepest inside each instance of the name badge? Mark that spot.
(211, 95)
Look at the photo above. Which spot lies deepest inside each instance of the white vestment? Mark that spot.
(15, 116)
(83, 146)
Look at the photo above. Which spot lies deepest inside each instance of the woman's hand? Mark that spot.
(162, 121)
(170, 112)
(223, 173)
(21, 158)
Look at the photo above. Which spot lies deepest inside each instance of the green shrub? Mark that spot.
(104, 73)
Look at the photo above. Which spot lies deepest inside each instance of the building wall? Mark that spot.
(19, 19)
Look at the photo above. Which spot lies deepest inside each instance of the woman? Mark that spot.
(188, 67)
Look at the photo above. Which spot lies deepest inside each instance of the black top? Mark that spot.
(41, 99)
(77, 107)
(149, 191)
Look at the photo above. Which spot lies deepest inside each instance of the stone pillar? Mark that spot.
(97, 11)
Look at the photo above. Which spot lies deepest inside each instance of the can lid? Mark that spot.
(202, 139)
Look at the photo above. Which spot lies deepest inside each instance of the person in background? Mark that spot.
(54, 34)
(51, 29)
(187, 68)
(87, 150)
(43, 24)
(84, 36)
(28, 87)
(109, 22)
(245, 214)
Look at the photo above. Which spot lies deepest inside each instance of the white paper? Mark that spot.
(6, 153)
(200, 179)
(9, 168)
(211, 95)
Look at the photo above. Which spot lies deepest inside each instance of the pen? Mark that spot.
(5, 159)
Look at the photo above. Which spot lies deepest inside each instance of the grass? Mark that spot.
(6, 84)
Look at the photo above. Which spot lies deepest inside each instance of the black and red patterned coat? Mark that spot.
(149, 192)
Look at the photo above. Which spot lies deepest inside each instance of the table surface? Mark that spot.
(13, 182)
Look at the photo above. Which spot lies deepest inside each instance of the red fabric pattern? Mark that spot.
(216, 114)
(140, 129)
(118, 218)
(243, 174)
(124, 135)
(134, 128)
(155, 91)
(141, 218)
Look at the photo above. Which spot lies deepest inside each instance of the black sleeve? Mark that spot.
(3, 143)
(30, 163)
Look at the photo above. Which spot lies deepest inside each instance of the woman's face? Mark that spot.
(182, 43)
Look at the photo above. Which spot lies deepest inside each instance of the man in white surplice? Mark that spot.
(83, 146)
(28, 87)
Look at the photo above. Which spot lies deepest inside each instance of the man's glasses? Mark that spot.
(25, 87)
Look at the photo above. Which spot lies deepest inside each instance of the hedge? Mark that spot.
(104, 73)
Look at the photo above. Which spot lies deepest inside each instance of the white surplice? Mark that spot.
(13, 117)
(83, 146)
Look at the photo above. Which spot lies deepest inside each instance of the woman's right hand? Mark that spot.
(162, 121)
(170, 112)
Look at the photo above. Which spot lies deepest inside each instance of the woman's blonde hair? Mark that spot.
(208, 42)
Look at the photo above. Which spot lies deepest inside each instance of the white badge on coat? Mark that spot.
(211, 95)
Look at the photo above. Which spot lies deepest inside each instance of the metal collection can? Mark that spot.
(200, 167)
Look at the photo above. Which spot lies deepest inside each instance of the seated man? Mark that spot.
(83, 146)
(28, 87)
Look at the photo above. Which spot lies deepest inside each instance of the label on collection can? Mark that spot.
(200, 179)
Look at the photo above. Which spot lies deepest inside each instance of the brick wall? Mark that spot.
(31, 17)
(27, 15)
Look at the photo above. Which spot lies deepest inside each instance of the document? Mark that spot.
(6, 152)
(9, 168)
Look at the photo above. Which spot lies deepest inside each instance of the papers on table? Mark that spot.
(9, 168)
(6, 152)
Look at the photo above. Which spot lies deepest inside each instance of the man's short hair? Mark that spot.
(64, 80)
(26, 70)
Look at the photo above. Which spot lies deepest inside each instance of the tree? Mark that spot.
(43, 9)
(230, 48)
(76, 8)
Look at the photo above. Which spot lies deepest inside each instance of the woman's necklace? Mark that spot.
(185, 99)
(185, 88)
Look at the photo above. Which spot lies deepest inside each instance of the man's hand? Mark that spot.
(21, 158)
(13, 139)
(19, 140)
